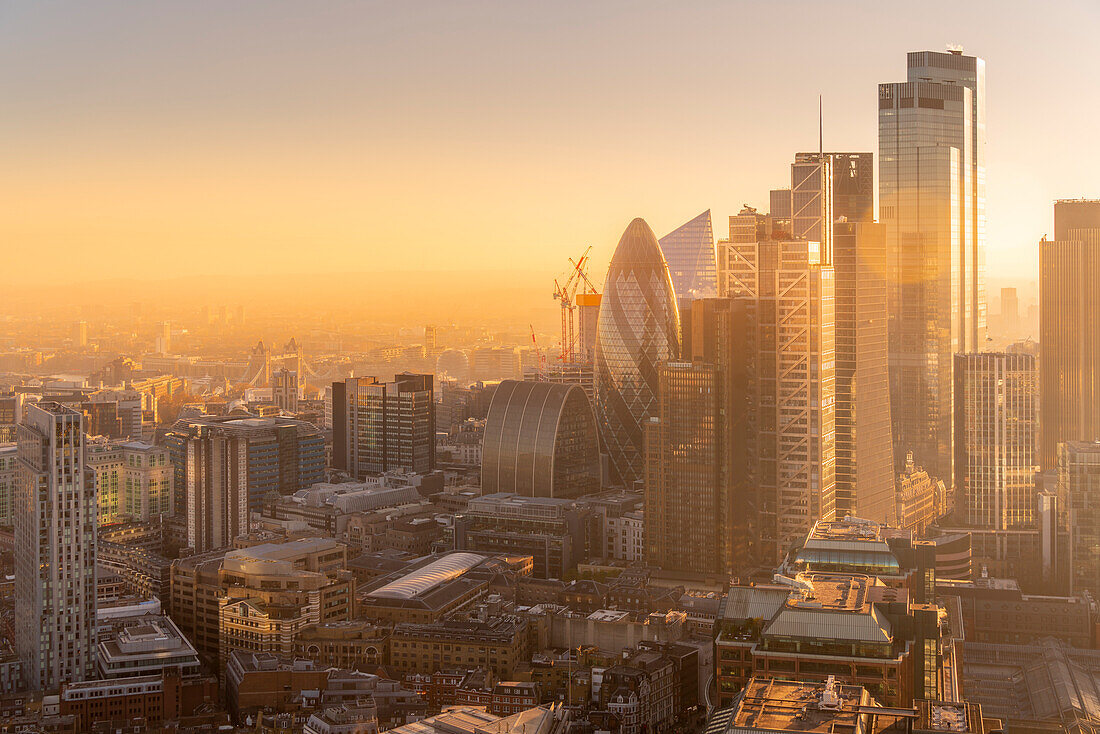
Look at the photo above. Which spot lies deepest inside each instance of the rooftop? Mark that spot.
(426, 578)
(773, 705)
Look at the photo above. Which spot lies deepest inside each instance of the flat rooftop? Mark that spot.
(775, 705)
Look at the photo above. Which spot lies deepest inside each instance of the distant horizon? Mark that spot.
(255, 138)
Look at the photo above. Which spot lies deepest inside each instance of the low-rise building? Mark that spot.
(154, 699)
(360, 717)
(642, 692)
(353, 644)
(996, 611)
(142, 645)
(817, 625)
(556, 533)
(497, 645)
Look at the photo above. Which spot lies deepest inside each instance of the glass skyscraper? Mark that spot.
(689, 252)
(638, 326)
(932, 204)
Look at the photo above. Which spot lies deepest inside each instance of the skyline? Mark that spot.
(268, 154)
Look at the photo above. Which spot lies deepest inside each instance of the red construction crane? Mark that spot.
(540, 358)
(565, 295)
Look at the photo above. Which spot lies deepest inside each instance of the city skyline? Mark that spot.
(283, 160)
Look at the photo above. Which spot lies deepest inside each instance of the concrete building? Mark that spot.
(996, 440)
(352, 644)
(498, 645)
(224, 467)
(271, 591)
(382, 426)
(540, 440)
(55, 549)
(1069, 308)
(932, 206)
(822, 625)
(134, 480)
(556, 533)
(143, 645)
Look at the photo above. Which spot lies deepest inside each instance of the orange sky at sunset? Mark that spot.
(252, 138)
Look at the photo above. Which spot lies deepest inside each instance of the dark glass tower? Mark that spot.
(638, 327)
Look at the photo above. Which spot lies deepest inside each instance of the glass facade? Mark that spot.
(689, 252)
(639, 326)
(997, 439)
(932, 203)
(540, 441)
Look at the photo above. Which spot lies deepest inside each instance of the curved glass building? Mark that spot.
(638, 327)
(540, 441)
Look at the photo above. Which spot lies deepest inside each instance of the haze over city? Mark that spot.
(258, 139)
(550, 368)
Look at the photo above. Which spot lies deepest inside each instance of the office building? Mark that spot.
(540, 440)
(133, 480)
(9, 475)
(224, 467)
(1079, 492)
(791, 346)
(996, 440)
(145, 701)
(143, 645)
(498, 644)
(864, 445)
(80, 334)
(639, 326)
(382, 426)
(688, 516)
(55, 549)
(831, 625)
(554, 532)
(932, 205)
(1069, 309)
(689, 253)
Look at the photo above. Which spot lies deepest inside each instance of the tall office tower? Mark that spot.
(1069, 270)
(540, 440)
(685, 454)
(588, 315)
(832, 196)
(80, 334)
(431, 337)
(383, 426)
(55, 550)
(11, 412)
(932, 203)
(9, 476)
(214, 490)
(1010, 311)
(812, 201)
(280, 455)
(864, 445)
(996, 439)
(284, 389)
(716, 336)
(791, 295)
(1079, 492)
(639, 326)
(780, 211)
(689, 253)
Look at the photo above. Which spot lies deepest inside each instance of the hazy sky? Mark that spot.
(158, 139)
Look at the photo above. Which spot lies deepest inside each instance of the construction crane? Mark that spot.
(540, 358)
(565, 294)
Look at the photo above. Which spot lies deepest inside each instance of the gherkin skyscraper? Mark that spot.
(638, 327)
